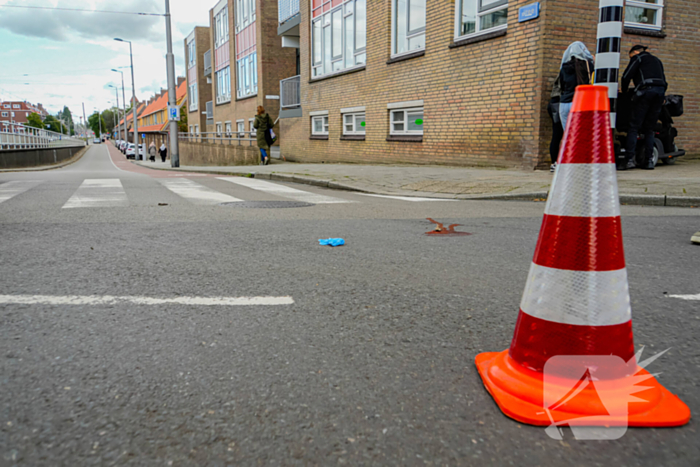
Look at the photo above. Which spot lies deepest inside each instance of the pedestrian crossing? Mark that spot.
(109, 192)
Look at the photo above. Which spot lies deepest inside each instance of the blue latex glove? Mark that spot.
(332, 242)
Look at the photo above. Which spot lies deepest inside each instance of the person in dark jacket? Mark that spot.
(557, 129)
(262, 124)
(647, 73)
(576, 69)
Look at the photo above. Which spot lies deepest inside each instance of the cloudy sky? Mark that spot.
(62, 58)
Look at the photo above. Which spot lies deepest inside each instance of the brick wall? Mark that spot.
(485, 103)
(204, 91)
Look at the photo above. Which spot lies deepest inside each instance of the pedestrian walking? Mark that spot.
(557, 128)
(576, 69)
(152, 152)
(263, 124)
(647, 73)
(163, 152)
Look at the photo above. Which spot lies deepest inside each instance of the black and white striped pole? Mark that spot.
(607, 60)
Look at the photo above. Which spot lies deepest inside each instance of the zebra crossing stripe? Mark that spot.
(284, 191)
(196, 193)
(9, 190)
(98, 193)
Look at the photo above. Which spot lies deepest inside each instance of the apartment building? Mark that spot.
(199, 89)
(18, 111)
(460, 83)
(153, 120)
(248, 63)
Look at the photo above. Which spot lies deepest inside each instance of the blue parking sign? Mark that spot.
(529, 12)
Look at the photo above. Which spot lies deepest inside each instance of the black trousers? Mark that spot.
(557, 132)
(645, 113)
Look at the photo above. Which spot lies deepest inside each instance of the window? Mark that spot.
(646, 14)
(251, 122)
(12, 114)
(218, 128)
(245, 14)
(228, 128)
(196, 129)
(16, 106)
(354, 123)
(408, 26)
(319, 125)
(191, 54)
(221, 28)
(248, 75)
(4, 114)
(339, 32)
(240, 127)
(191, 130)
(193, 97)
(6, 106)
(407, 121)
(476, 16)
(223, 85)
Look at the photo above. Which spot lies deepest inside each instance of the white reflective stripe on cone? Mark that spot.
(586, 298)
(584, 190)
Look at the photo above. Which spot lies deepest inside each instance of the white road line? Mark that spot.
(686, 297)
(112, 300)
(98, 193)
(109, 156)
(284, 191)
(196, 193)
(11, 189)
(407, 198)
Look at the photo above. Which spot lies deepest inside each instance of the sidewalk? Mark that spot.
(676, 185)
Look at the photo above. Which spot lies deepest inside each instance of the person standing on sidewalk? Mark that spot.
(152, 151)
(557, 128)
(649, 78)
(163, 152)
(263, 123)
(576, 69)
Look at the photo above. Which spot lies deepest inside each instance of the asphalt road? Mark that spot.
(373, 363)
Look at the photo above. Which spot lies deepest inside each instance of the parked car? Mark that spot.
(122, 146)
(130, 154)
(96, 141)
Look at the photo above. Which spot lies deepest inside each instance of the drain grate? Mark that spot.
(267, 204)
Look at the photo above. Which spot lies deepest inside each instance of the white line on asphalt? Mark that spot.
(112, 300)
(98, 193)
(11, 189)
(196, 193)
(109, 156)
(406, 198)
(284, 191)
(686, 297)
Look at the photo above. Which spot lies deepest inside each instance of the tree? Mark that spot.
(94, 123)
(34, 121)
(53, 124)
(110, 118)
(182, 124)
(66, 116)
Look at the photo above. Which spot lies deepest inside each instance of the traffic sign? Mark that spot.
(173, 113)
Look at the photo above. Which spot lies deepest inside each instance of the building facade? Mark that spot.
(247, 63)
(459, 83)
(153, 120)
(199, 89)
(18, 111)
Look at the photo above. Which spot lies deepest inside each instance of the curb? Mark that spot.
(631, 200)
(79, 155)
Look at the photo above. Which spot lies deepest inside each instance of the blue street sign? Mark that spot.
(529, 12)
(143, 135)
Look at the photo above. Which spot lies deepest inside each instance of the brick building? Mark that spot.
(460, 82)
(247, 65)
(153, 120)
(18, 111)
(199, 89)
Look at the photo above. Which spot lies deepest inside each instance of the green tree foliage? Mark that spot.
(110, 118)
(34, 121)
(182, 124)
(66, 116)
(94, 124)
(53, 124)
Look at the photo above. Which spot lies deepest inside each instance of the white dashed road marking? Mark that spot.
(284, 191)
(196, 193)
(98, 193)
(686, 297)
(11, 189)
(112, 300)
(406, 198)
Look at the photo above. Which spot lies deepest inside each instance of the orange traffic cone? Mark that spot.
(576, 304)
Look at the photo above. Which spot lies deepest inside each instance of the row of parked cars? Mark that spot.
(127, 149)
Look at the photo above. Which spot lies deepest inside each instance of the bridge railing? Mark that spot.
(17, 136)
(239, 139)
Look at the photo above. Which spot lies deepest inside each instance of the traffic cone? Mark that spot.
(576, 300)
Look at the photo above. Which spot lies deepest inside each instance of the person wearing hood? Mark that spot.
(577, 67)
(263, 123)
(152, 152)
(647, 73)
(163, 152)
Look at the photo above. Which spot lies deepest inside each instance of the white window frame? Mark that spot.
(247, 76)
(191, 130)
(240, 128)
(323, 118)
(7, 106)
(405, 131)
(5, 114)
(16, 106)
(229, 130)
(245, 14)
(658, 6)
(480, 12)
(191, 54)
(409, 34)
(348, 12)
(251, 122)
(196, 130)
(353, 113)
(223, 85)
(221, 27)
(219, 129)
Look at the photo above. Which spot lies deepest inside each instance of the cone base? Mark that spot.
(519, 393)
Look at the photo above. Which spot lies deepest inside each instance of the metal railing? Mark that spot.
(207, 63)
(18, 136)
(290, 92)
(220, 138)
(287, 9)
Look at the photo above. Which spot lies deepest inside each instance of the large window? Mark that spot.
(319, 125)
(339, 30)
(245, 14)
(407, 121)
(248, 75)
(477, 16)
(193, 96)
(354, 123)
(221, 27)
(408, 26)
(246, 49)
(647, 14)
(223, 85)
(191, 54)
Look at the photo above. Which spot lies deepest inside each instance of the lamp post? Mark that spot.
(172, 91)
(134, 103)
(126, 138)
(116, 93)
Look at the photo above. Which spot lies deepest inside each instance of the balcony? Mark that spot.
(287, 9)
(290, 92)
(207, 64)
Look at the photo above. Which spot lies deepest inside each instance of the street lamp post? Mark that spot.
(116, 93)
(134, 103)
(126, 138)
(172, 91)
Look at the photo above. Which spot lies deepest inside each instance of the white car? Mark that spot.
(130, 154)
